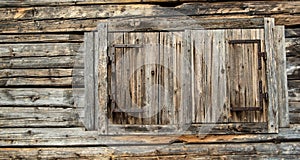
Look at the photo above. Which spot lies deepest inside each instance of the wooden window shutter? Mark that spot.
(216, 76)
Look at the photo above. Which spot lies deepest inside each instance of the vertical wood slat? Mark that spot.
(280, 57)
(89, 110)
(271, 76)
(185, 64)
(101, 79)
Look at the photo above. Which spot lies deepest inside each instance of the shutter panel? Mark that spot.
(145, 76)
(226, 76)
(209, 76)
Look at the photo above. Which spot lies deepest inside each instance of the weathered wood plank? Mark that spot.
(20, 3)
(39, 49)
(21, 81)
(38, 117)
(294, 92)
(292, 32)
(294, 118)
(283, 110)
(78, 136)
(100, 72)
(36, 73)
(293, 72)
(39, 62)
(41, 77)
(271, 76)
(292, 46)
(89, 80)
(133, 10)
(259, 150)
(19, 97)
(70, 25)
(19, 38)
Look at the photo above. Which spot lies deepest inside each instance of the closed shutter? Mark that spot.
(169, 81)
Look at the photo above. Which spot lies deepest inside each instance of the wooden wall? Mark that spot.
(39, 41)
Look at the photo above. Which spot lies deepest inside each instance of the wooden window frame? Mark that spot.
(96, 87)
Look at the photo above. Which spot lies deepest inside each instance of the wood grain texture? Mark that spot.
(100, 73)
(36, 97)
(77, 136)
(89, 81)
(38, 50)
(39, 62)
(137, 10)
(271, 75)
(281, 76)
(38, 117)
(187, 150)
(71, 25)
(21, 38)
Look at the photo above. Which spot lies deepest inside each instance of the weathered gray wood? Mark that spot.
(41, 77)
(5, 3)
(78, 137)
(268, 149)
(292, 46)
(271, 75)
(106, 11)
(89, 80)
(19, 38)
(292, 32)
(279, 39)
(100, 72)
(39, 49)
(38, 117)
(13, 73)
(21, 81)
(294, 93)
(90, 24)
(39, 62)
(39, 97)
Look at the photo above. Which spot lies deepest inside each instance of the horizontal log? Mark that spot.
(71, 25)
(39, 49)
(292, 46)
(292, 32)
(36, 97)
(137, 10)
(38, 117)
(293, 72)
(22, 3)
(294, 118)
(21, 82)
(61, 38)
(234, 128)
(40, 62)
(294, 107)
(67, 137)
(35, 73)
(19, 3)
(41, 77)
(185, 151)
(294, 92)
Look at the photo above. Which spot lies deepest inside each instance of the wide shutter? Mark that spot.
(168, 81)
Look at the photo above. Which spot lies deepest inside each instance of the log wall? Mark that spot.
(39, 41)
